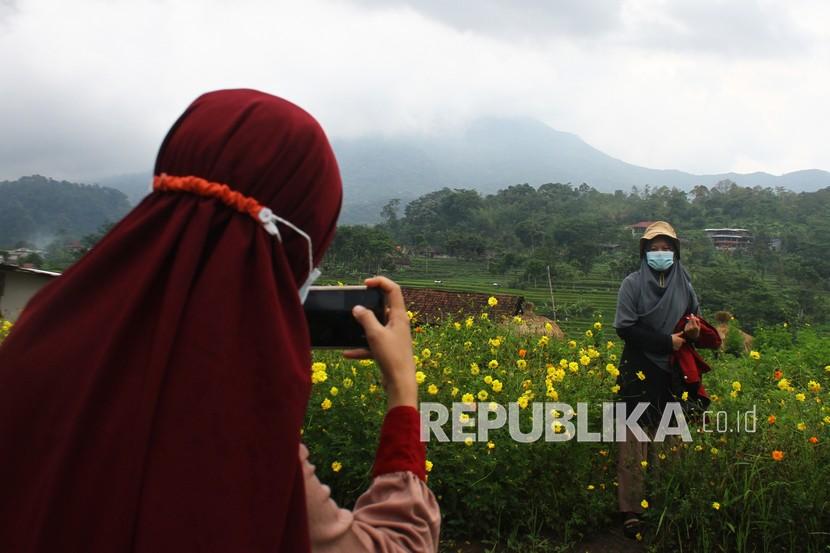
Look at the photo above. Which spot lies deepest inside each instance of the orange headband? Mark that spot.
(234, 199)
(202, 187)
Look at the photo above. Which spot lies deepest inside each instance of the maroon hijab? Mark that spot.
(151, 397)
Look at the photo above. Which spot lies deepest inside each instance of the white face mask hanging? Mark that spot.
(269, 221)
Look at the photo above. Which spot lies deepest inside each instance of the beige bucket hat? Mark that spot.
(659, 228)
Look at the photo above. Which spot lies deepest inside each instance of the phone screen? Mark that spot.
(328, 310)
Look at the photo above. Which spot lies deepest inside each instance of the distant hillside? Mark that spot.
(489, 155)
(492, 154)
(36, 208)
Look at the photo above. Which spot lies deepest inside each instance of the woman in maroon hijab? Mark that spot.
(151, 398)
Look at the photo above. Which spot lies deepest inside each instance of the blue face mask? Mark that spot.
(660, 261)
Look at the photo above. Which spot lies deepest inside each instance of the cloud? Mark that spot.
(723, 28)
(91, 86)
(529, 19)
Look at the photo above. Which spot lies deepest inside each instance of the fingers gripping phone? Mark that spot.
(328, 310)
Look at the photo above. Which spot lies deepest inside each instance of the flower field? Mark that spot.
(736, 490)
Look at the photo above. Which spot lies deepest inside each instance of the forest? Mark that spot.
(578, 231)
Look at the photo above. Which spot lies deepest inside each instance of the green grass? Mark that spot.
(596, 291)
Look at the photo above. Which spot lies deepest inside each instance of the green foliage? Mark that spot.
(734, 340)
(514, 493)
(36, 209)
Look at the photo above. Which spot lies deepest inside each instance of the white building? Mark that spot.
(17, 286)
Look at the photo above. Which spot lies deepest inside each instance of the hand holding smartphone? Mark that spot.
(328, 311)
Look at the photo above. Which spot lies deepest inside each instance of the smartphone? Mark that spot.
(328, 310)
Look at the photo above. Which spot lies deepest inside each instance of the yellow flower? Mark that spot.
(573, 366)
(468, 344)
(800, 397)
(432, 389)
(521, 364)
(801, 426)
(736, 386)
(644, 464)
(572, 344)
(543, 341)
(644, 504)
(334, 391)
(585, 360)
(590, 487)
(485, 317)
(410, 314)
(784, 384)
(640, 375)
(552, 393)
(615, 388)
(713, 451)
(491, 445)
(454, 391)
(456, 325)
(482, 395)
(488, 379)
(372, 388)
(609, 345)
(336, 466)
(589, 334)
(428, 465)
(496, 385)
(468, 441)
(464, 417)
(420, 377)
(716, 505)
(733, 394)
(826, 419)
(492, 406)
(367, 362)
(522, 401)
(492, 301)
(612, 357)
(684, 396)
(315, 367)
(563, 363)
(426, 353)
(326, 405)
(612, 370)
(474, 370)
(493, 364)
(548, 328)
(814, 386)
(469, 322)
(468, 398)
(517, 320)
(597, 325)
(754, 355)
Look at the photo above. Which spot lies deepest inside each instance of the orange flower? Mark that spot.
(777, 375)
(771, 419)
(777, 455)
(522, 353)
(813, 440)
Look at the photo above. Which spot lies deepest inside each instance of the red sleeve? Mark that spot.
(401, 448)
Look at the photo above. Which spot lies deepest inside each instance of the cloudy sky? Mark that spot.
(89, 87)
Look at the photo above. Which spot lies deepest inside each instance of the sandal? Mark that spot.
(632, 526)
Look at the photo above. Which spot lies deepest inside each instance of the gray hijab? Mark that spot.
(642, 299)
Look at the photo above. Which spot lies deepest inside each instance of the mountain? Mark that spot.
(37, 209)
(489, 155)
(492, 154)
